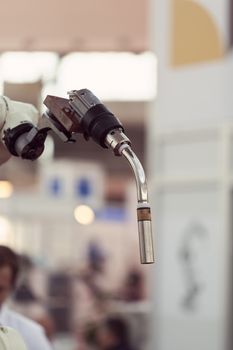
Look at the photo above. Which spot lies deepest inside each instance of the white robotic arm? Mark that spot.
(18, 130)
(13, 113)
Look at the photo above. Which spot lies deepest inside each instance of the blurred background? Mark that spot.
(164, 67)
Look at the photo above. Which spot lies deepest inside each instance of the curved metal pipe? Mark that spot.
(142, 191)
(120, 144)
(143, 208)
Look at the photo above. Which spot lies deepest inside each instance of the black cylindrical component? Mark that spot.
(12, 135)
(25, 141)
(98, 121)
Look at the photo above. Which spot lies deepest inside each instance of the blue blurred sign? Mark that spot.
(55, 186)
(83, 188)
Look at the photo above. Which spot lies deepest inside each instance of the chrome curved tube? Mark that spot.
(142, 191)
(143, 209)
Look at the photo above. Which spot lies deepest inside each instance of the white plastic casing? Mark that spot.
(13, 113)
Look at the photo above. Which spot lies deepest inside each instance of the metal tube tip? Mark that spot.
(145, 235)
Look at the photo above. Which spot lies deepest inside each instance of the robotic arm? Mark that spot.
(18, 130)
(24, 135)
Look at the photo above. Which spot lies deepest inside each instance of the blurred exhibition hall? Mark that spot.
(74, 223)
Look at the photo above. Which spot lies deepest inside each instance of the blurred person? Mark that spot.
(113, 334)
(94, 273)
(91, 294)
(26, 302)
(31, 332)
(10, 339)
(133, 287)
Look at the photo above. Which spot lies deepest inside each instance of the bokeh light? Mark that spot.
(84, 214)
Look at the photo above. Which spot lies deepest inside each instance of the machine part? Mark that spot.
(61, 113)
(145, 235)
(4, 110)
(95, 119)
(82, 101)
(117, 140)
(18, 122)
(25, 141)
(142, 191)
(143, 208)
(51, 122)
(121, 146)
(14, 114)
(84, 113)
(11, 135)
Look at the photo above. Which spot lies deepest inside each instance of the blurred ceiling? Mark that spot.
(74, 25)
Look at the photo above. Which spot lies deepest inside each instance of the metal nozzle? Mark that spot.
(143, 211)
(145, 235)
(121, 146)
(84, 113)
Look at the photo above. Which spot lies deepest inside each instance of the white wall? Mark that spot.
(190, 127)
